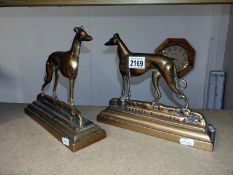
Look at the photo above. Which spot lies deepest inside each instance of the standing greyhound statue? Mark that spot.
(67, 63)
(160, 64)
(63, 120)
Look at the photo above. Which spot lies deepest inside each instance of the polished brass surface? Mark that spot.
(58, 118)
(161, 66)
(67, 63)
(160, 121)
(62, 120)
(178, 124)
(173, 44)
(162, 111)
(105, 2)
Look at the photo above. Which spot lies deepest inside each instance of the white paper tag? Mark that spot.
(65, 141)
(186, 141)
(137, 62)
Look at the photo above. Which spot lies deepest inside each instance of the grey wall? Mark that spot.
(29, 35)
(228, 66)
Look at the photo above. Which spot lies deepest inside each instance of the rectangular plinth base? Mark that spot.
(154, 126)
(71, 135)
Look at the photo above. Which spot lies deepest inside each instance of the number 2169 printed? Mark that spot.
(137, 62)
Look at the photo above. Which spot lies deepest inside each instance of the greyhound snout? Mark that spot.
(89, 38)
(112, 41)
(108, 43)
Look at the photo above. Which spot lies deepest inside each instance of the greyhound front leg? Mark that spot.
(128, 88)
(71, 93)
(123, 88)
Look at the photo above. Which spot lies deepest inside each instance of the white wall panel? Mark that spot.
(29, 35)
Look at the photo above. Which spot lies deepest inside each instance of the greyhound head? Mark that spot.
(82, 34)
(113, 40)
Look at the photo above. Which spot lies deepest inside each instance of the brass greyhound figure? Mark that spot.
(67, 63)
(160, 64)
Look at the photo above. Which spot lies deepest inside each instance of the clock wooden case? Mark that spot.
(180, 51)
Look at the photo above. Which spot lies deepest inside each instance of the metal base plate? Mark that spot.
(58, 124)
(157, 126)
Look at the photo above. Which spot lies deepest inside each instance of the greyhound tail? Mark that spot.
(49, 66)
(45, 77)
(49, 74)
(182, 84)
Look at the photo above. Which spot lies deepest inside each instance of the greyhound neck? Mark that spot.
(76, 45)
(122, 49)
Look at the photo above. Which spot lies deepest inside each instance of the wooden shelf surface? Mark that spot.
(5, 3)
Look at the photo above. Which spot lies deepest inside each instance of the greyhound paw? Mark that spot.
(127, 98)
(154, 103)
(55, 95)
(122, 99)
(42, 93)
(186, 111)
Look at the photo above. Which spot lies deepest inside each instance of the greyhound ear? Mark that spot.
(116, 35)
(76, 29)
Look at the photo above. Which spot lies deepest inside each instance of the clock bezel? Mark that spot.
(183, 43)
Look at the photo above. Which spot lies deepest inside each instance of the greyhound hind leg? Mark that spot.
(182, 84)
(179, 93)
(55, 83)
(173, 83)
(155, 79)
(186, 106)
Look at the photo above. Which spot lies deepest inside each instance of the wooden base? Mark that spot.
(176, 131)
(58, 124)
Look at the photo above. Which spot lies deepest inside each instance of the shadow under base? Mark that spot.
(174, 124)
(57, 118)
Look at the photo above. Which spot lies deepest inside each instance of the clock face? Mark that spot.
(179, 54)
(180, 51)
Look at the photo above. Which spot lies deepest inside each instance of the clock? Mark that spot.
(180, 51)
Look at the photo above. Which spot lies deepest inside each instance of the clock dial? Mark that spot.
(180, 51)
(179, 54)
